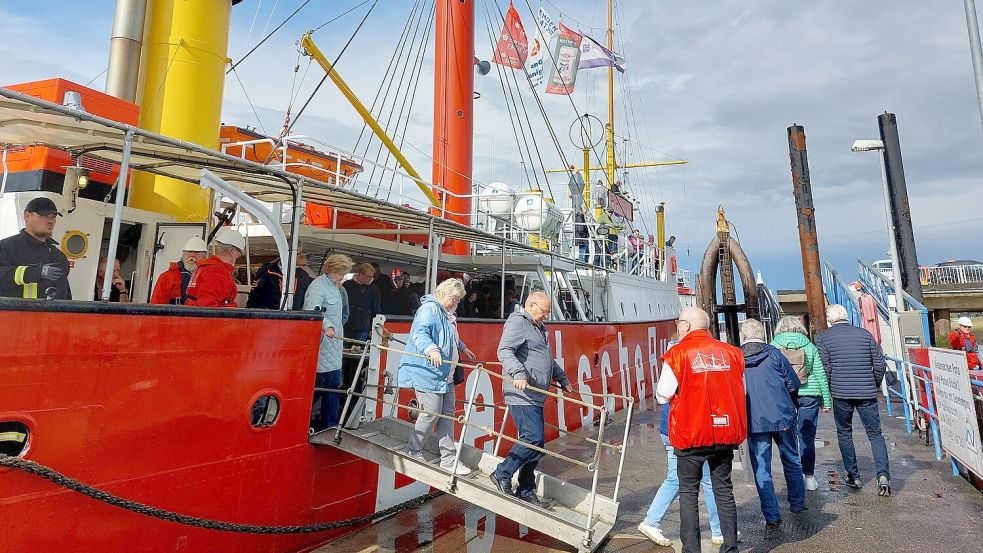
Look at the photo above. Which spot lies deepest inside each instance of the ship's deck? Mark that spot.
(931, 510)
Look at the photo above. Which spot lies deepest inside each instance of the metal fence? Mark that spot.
(952, 274)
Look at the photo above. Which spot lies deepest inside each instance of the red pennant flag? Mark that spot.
(513, 46)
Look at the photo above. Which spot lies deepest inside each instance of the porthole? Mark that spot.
(14, 437)
(265, 411)
(622, 309)
(412, 412)
(650, 309)
(75, 244)
(635, 305)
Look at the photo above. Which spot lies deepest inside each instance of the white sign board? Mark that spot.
(955, 405)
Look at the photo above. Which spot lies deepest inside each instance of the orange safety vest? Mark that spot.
(709, 407)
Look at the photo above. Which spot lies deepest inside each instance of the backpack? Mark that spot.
(797, 358)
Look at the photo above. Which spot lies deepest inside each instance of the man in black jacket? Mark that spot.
(364, 302)
(267, 289)
(31, 264)
(855, 365)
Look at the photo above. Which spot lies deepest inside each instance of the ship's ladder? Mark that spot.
(577, 516)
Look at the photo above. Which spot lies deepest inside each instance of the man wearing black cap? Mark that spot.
(31, 264)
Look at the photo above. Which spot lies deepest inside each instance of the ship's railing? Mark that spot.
(837, 291)
(395, 186)
(381, 340)
(768, 307)
(952, 275)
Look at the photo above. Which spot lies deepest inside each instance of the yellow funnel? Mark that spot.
(184, 73)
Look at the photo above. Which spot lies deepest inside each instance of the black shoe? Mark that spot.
(883, 486)
(854, 483)
(773, 523)
(802, 510)
(503, 486)
(535, 501)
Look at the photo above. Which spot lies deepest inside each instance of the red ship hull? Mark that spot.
(152, 404)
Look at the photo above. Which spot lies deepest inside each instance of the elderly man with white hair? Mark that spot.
(855, 365)
(527, 359)
(702, 379)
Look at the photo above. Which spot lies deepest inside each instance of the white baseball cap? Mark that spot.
(965, 321)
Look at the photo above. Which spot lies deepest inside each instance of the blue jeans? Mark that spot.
(759, 444)
(669, 491)
(329, 400)
(528, 421)
(582, 250)
(808, 422)
(871, 419)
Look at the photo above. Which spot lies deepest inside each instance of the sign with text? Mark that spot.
(955, 405)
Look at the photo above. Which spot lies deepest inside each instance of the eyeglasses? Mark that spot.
(543, 309)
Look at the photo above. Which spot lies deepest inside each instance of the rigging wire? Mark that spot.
(336, 18)
(267, 37)
(410, 45)
(387, 76)
(412, 97)
(333, 65)
(522, 102)
(251, 106)
(507, 95)
(249, 34)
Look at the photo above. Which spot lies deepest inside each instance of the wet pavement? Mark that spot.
(930, 509)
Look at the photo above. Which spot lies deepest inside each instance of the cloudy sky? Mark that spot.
(716, 84)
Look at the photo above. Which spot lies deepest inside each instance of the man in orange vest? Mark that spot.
(212, 284)
(703, 379)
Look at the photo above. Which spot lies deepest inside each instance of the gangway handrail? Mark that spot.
(593, 466)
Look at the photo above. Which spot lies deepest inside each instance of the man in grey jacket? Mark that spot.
(526, 358)
(855, 365)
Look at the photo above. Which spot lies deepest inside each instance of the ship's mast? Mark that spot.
(611, 166)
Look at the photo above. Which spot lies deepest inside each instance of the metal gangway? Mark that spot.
(580, 517)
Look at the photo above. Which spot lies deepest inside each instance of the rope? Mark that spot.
(267, 37)
(41, 471)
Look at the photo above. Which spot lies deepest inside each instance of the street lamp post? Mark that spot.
(878, 146)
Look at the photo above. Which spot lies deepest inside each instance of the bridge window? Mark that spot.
(265, 411)
(14, 437)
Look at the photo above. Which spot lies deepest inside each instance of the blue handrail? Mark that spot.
(838, 292)
(879, 287)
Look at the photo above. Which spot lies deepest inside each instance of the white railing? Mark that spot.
(952, 274)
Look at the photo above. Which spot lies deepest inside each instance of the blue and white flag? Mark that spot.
(592, 55)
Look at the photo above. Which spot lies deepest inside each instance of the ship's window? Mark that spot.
(265, 411)
(14, 437)
(650, 309)
(635, 305)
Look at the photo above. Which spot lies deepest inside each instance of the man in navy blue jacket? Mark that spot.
(771, 385)
(855, 365)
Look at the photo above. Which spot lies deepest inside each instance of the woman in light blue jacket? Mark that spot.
(325, 295)
(434, 335)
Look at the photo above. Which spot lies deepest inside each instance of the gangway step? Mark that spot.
(382, 441)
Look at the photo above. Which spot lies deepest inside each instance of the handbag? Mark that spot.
(458, 374)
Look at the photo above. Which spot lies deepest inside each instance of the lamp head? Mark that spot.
(867, 145)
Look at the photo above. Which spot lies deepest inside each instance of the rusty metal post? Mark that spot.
(808, 237)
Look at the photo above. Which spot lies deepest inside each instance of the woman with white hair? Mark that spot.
(434, 336)
(792, 339)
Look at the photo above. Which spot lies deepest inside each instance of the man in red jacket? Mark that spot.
(703, 378)
(963, 339)
(172, 284)
(212, 284)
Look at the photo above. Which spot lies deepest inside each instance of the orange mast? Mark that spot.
(453, 109)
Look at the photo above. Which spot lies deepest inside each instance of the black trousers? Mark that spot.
(689, 469)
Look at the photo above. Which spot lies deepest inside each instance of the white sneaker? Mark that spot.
(462, 469)
(719, 540)
(811, 483)
(655, 534)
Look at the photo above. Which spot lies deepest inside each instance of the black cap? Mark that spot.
(42, 206)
